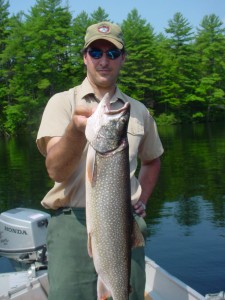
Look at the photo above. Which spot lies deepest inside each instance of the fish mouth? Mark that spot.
(122, 110)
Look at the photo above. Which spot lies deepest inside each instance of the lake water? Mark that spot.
(186, 213)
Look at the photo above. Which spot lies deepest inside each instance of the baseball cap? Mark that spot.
(104, 31)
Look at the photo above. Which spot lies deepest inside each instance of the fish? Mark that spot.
(111, 228)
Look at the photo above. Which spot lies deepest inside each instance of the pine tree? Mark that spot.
(210, 45)
(180, 74)
(4, 64)
(80, 24)
(137, 76)
(39, 48)
(99, 15)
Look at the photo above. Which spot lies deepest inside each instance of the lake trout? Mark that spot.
(110, 224)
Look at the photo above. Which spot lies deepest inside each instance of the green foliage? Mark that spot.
(15, 118)
(4, 34)
(198, 116)
(179, 75)
(137, 77)
(99, 15)
(210, 45)
(165, 119)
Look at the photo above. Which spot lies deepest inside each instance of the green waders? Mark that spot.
(71, 271)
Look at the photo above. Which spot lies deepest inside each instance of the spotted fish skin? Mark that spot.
(108, 200)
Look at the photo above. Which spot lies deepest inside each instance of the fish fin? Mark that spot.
(89, 245)
(137, 237)
(90, 164)
(103, 292)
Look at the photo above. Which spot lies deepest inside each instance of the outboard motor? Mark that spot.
(23, 235)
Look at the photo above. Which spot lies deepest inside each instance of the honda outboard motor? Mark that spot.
(23, 234)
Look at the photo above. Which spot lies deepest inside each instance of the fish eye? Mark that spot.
(123, 120)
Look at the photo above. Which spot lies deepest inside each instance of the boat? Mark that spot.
(22, 243)
(161, 285)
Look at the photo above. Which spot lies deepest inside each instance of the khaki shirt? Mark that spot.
(143, 139)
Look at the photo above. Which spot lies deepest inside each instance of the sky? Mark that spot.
(155, 12)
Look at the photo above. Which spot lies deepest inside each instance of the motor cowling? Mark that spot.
(23, 234)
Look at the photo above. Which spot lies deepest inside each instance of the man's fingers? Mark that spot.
(83, 111)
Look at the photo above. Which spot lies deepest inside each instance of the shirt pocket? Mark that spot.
(135, 134)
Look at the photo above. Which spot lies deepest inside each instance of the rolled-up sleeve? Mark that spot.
(55, 119)
(150, 146)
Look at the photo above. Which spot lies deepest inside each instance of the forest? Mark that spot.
(178, 74)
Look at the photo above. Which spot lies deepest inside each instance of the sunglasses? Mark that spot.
(111, 54)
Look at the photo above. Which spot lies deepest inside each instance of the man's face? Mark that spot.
(103, 72)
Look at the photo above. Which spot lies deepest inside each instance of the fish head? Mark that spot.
(106, 129)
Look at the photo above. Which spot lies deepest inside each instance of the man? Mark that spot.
(62, 140)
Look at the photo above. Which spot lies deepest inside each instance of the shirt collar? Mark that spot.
(87, 89)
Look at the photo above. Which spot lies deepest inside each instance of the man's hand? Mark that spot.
(140, 208)
(80, 117)
(64, 153)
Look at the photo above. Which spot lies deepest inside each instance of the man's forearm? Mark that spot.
(64, 156)
(148, 177)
